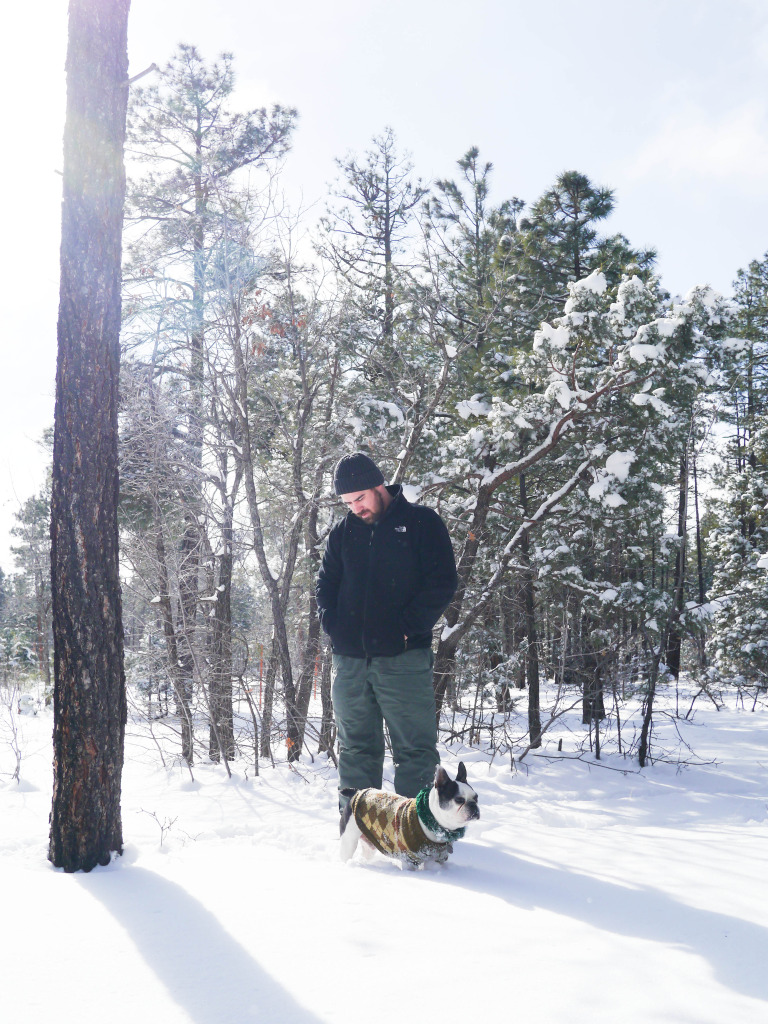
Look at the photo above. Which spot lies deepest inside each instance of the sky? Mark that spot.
(665, 102)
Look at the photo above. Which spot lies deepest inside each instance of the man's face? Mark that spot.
(367, 505)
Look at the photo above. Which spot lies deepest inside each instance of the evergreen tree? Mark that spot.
(195, 197)
(739, 633)
(367, 233)
(467, 247)
(740, 536)
(33, 559)
(559, 242)
(467, 231)
(89, 694)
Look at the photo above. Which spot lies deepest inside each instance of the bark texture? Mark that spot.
(89, 689)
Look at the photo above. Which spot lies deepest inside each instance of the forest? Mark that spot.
(596, 446)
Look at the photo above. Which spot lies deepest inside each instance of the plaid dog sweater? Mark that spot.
(391, 825)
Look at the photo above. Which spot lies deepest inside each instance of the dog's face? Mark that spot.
(453, 803)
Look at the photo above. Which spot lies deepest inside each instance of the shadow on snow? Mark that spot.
(205, 971)
(735, 949)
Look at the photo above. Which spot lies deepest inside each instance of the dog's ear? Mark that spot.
(461, 775)
(441, 777)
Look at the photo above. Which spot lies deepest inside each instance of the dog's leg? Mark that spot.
(349, 839)
(368, 849)
(442, 853)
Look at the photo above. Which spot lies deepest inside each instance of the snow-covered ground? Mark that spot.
(583, 894)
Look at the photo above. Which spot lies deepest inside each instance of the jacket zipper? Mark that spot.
(367, 591)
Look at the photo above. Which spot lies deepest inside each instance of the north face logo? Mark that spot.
(399, 529)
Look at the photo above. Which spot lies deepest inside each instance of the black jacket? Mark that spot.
(381, 584)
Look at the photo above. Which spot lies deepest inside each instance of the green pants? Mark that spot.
(398, 690)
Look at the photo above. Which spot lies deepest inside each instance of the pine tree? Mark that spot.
(195, 197)
(467, 231)
(89, 695)
(740, 536)
(467, 241)
(366, 238)
(739, 635)
(559, 242)
(32, 553)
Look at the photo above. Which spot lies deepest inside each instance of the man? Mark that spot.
(388, 574)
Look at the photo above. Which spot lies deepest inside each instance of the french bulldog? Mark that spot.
(415, 830)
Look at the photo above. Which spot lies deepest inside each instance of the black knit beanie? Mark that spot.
(356, 473)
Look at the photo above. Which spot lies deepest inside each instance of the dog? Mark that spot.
(413, 830)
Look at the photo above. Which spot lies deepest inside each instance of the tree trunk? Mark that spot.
(446, 649)
(182, 691)
(675, 641)
(532, 648)
(222, 729)
(593, 702)
(701, 638)
(43, 606)
(89, 689)
(182, 696)
(644, 748)
(192, 541)
(278, 595)
(269, 694)
(327, 729)
(312, 649)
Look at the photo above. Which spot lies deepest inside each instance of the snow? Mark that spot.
(584, 893)
(667, 326)
(554, 337)
(390, 408)
(735, 344)
(356, 423)
(594, 283)
(641, 350)
(631, 289)
(619, 463)
(559, 391)
(641, 353)
(660, 407)
(472, 407)
(705, 294)
(617, 467)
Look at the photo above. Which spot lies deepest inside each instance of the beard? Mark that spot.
(373, 514)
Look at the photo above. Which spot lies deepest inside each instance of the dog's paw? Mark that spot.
(349, 840)
(442, 855)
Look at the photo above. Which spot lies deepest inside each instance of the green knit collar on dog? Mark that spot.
(446, 835)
